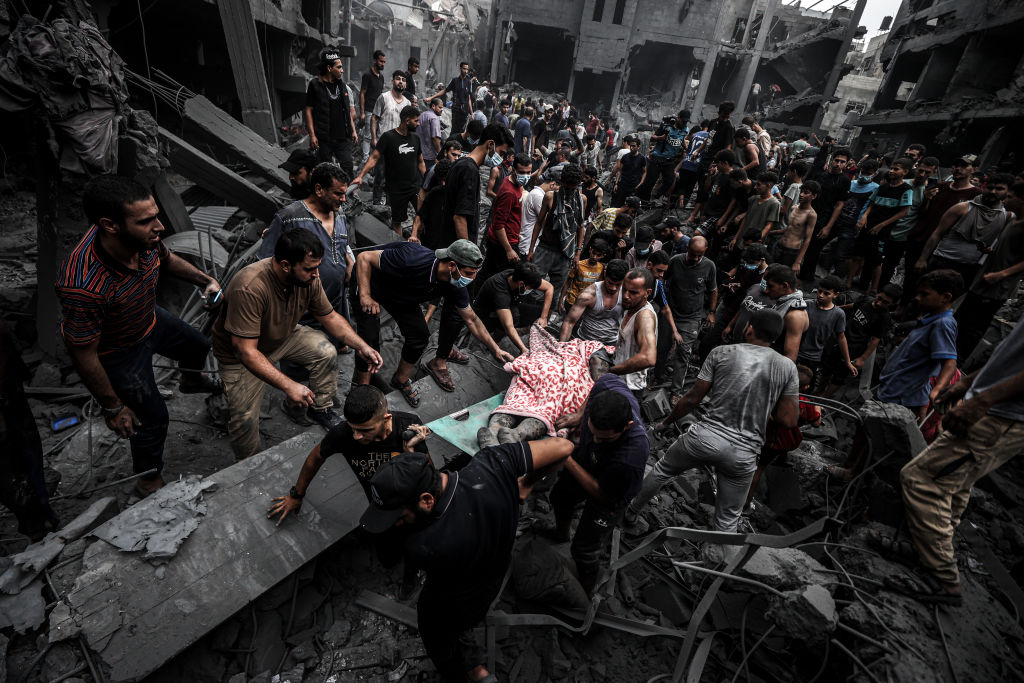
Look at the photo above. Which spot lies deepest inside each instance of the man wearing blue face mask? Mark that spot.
(461, 215)
(642, 248)
(507, 219)
(400, 277)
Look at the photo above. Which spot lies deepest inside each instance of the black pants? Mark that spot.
(495, 261)
(445, 623)
(459, 119)
(413, 327)
(622, 191)
(973, 318)
(910, 277)
(687, 181)
(893, 252)
(338, 151)
(379, 185)
(131, 375)
(967, 270)
(22, 487)
(595, 526)
(658, 168)
(810, 262)
(664, 344)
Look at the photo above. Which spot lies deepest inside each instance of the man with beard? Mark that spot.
(559, 228)
(461, 90)
(112, 325)
(299, 167)
(636, 349)
(692, 286)
(387, 115)
(828, 205)
(399, 151)
(968, 231)
(330, 114)
(463, 528)
(319, 212)
(629, 173)
(258, 327)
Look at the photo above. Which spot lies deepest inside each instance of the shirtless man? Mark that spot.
(599, 308)
(800, 226)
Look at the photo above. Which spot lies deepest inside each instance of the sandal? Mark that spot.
(411, 395)
(457, 356)
(890, 545)
(923, 588)
(441, 376)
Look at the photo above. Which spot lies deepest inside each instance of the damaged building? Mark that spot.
(856, 91)
(612, 56)
(953, 79)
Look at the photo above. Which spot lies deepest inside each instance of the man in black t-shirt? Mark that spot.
(370, 89)
(403, 165)
(369, 437)
(330, 113)
(497, 302)
(463, 530)
(426, 227)
(462, 189)
(461, 89)
(867, 324)
(828, 205)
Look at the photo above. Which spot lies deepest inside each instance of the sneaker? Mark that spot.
(328, 419)
(635, 526)
(296, 414)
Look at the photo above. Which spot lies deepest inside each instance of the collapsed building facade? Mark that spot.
(690, 54)
(954, 73)
(856, 91)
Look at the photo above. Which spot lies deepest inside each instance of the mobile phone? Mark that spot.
(932, 182)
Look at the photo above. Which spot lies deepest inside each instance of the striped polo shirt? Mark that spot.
(104, 300)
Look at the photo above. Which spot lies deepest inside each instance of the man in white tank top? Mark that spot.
(636, 349)
(599, 308)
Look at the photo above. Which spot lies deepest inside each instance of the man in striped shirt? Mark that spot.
(112, 325)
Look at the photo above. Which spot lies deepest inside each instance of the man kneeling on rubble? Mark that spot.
(604, 472)
(464, 527)
(745, 384)
(258, 327)
(981, 434)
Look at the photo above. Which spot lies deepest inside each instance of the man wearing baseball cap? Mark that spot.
(299, 168)
(400, 277)
(463, 527)
(330, 113)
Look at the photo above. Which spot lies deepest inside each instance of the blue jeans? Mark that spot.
(131, 375)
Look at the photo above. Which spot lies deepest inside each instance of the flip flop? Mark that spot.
(923, 589)
(457, 356)
(411, 396)
(441, 376)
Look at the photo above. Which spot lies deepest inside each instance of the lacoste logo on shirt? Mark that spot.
(406, 149)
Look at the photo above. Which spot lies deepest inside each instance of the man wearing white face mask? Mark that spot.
(461, 214)
(642, 248)
(400, 277)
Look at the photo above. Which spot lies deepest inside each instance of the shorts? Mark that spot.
(400, 204)
(869, 247)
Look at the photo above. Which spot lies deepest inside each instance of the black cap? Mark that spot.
(671, 221)
(633, 202)
(397, 484)
(644, 237)
(300, 158)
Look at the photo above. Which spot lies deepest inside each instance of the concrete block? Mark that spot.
(784, 568)
(808, 614)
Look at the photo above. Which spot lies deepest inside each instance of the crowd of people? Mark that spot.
(780, 268)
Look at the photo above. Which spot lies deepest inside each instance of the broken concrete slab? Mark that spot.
(25, 610)
(160, 523)
(234, 556)
(808, 613)
(890, 427)
(784, 568)
(29, 563)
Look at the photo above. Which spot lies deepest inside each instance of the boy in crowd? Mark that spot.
(867, 324)
(796, 236)
(794, 177)
(585, 273)
(825, 322)
(762, 212)
(861, 190)
(930, 348)
(888, 204)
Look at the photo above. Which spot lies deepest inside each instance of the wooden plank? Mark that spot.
(247, 64)
(236, 139)
(219, 179)
(235, 555)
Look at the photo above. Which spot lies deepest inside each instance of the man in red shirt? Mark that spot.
(506, 219)
(937, 200)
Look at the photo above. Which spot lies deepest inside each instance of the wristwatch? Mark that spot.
(111, 413)
(294, 493)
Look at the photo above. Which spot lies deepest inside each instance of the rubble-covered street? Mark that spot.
(480, 340)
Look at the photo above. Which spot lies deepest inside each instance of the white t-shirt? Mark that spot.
(531, 207)
(388, 111)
